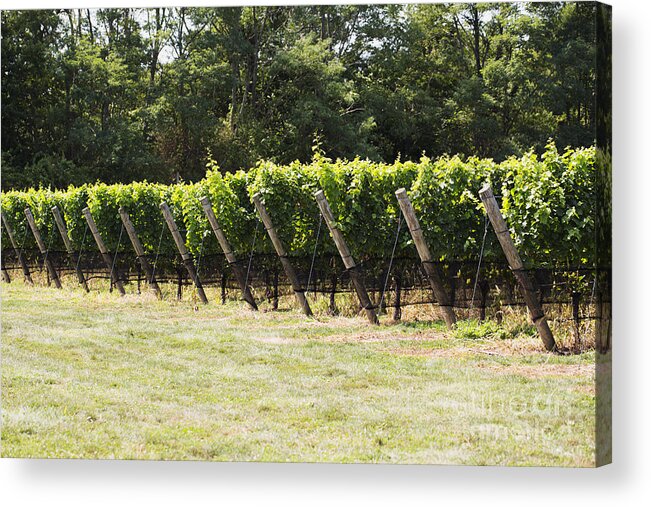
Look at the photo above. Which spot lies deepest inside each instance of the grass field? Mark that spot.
(99, 376)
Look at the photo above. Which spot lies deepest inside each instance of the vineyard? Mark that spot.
(548, 203)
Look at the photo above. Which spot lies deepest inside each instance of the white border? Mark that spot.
(626, 482)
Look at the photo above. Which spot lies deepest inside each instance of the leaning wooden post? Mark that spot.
(5, 273)
(228, 253)
(426, 258)
(140, 252)
(21, 260)
(103, 251)
(282, 254)
(185, 255)
(346, 257)
(19, 255)
(43, 249)
(517, 266)
(61, 225)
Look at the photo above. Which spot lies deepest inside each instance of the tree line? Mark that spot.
(118, 95)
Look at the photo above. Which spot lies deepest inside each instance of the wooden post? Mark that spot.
(603, 331)
(43, 249)
(185, 255)
(397, 311)
(5, 273)
(179, 284)
(61, 225)
(346, 257)
(332, 307)
(228, 253)
(103, 251)
(484, 288)
(576, 307)
(517, 267)
(140, 252)
(276, 293)
(19, 255)
(223, 287)
(433, 275)
(282, 254)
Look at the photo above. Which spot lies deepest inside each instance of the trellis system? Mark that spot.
(353, 270)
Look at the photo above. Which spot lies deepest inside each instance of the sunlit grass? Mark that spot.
(99, 376)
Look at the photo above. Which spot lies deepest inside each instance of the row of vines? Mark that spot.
(548, 201)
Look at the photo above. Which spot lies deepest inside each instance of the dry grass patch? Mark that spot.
(536, 371)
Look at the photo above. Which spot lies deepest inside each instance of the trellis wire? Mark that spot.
(160, 241)
(481, 256)
(594, 288)
(81, 249)
(552, 281)
(115, 255)
(248, 269)
(22, 243)
(203, 237)
(393, 253)
(49, 245)
(316, 244)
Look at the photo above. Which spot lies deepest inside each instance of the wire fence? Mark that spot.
(391, 281)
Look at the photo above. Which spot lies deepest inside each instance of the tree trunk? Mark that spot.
(90, 25)
(156, 47)
(323, 21)
(476, 38)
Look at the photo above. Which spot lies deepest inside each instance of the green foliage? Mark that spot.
(445, 198)
(141, 201)
(550, 205)
(231, 209)
(287, 193)
(121, 95)
(362, 197)
(40, 203)
(73, 201)
(473, 330)
(489, 329)
(547, 201)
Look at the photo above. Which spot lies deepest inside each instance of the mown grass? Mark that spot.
(99, 376)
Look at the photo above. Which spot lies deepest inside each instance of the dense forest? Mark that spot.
(118, 95)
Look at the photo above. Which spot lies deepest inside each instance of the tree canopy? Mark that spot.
(118, 95)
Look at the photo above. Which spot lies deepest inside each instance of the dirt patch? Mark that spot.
(589, 389)
(453, 352)
(536, 371)
(499, 348)
(274, 339)
(375, 336)
(521, 346)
